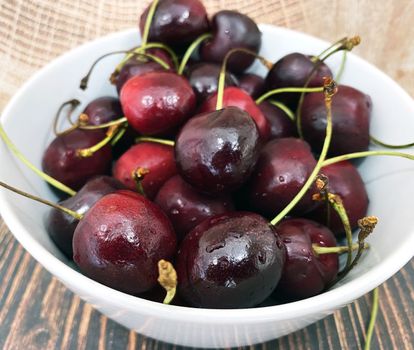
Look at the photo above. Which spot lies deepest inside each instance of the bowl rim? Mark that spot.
(326, 301)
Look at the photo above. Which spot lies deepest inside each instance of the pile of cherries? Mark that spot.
(192, 162)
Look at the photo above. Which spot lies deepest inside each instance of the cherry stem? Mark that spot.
(73, 104)
(148, 23)
(328, 49)
(138, 175)
(156, 140)
(83, 120)
(44, 201)
(319, 250)
(330, 90)
(119, 135)
(288, 89)
(284, 108)
(105, 125)
(222, 75)
(167, 279)
(341, 67)
(366, 154)
(24, 160)
(386, 145)
(374, 313)
(196, 43)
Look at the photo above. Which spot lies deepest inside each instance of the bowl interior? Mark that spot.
(28, 122)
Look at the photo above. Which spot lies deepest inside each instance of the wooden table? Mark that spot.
(37, 312)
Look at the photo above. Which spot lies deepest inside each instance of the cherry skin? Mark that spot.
(158, 159)
(293, 70)
(280, 124)
(61, 226)
(232, 260)
(305, 273)
(346, 182)
(186, 207)
(283, 168)
(203, 78)
(351, 113)
(120, 240)
(236, 97)
(253, 84)
(62, 162)
(217, 151)
(157, 102)
(176, 22)
(232, 30)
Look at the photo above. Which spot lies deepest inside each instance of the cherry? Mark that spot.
(103, 110)
(186, 207)
(62, 161)
(305, 273)
(61, 226)
(280, 124)
(294, 70)
(232, 30)
(351, 112)
(345, 181)
(283, 168)
(217, 151)
(157, 102)
(158, 159)
(203, 78)
(233, 96)
(253, 84)
(232, 260)
(120, 240)
(176, 22)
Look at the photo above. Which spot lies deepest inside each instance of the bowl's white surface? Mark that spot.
(28, 119)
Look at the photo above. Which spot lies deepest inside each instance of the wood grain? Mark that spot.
(37, 312)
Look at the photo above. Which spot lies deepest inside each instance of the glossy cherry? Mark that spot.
(61, 226)
(203, 78)
(293, 70)
(345, 181)
(176, 22)
(232, 30)
(236, 97)
(217, 151)
(253, 84)
(187, 207)
(120, 240)
(62, 162)
(283, 167)
(351, 114)
(157, 102)
(232, 260)
(305, 273)
(280, 124)
(158, 159)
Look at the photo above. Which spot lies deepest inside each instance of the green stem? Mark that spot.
(336, 250)
(386, 145)
(103, 126)
(138, 175)
(156, 140)
(190, 51)
(374, 313)
(148, 23)
(24, 160)
(341, 67)
(44, 201)
(165, 48)
(366, 154)
(288, 89)
(334, 47)
(73, 104)
(284, 108)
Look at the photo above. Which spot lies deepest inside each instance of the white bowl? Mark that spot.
(28, 119)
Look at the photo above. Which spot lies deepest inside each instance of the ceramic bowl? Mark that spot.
(28, 121)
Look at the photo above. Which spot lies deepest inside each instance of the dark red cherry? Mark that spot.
(137, 65)
(157, 102)
(293, 70)
(236, 97)
(232, 30)
(217, 151)
(176, 22)
(61, 226)
(120, 240)
(280, 124)
(351, 114)
(187, 207)
(62, 162)
(203, 77)
(283, 167)
(155, 157)
(103, 110)
(253, 84)
(305, 273)
(232, 260)
(345, 181)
